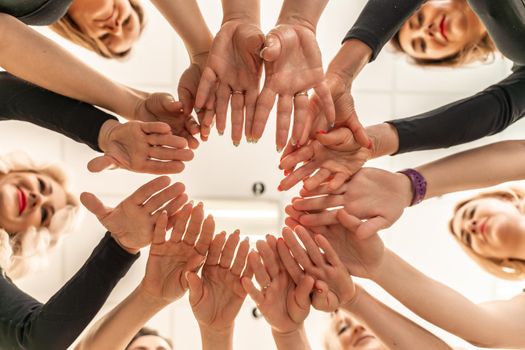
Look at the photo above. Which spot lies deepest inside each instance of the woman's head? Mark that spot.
(347, 333)
(107, 27)
(444, 33)
(490, 228)
(35, 210)
(149, 339)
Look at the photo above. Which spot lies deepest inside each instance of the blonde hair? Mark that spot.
(70, 30)
(28, 250)
(507, 268)
(481, 51)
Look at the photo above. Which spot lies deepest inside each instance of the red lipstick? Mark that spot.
(442, 28)
(22, 201)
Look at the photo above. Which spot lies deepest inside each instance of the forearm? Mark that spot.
(468, 169)
(295, 340)
(29, 55)
(393, 329)
(305, 13)
(244, 10)
(351, 58)
(116, 329)
(443, 306)
(187, 20)
(216, 339)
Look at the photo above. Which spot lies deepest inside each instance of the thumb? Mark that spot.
(334, 137)
(303, 290)
(371, 226)
(100, 163)
(94, 205)
(272, 48)
(195, 286)
(350, 222)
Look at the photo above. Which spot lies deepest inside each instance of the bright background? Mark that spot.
(222, 175)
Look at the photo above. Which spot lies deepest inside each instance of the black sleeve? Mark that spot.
(27, 324)
(380, 20)
(472, 118)
(24, 101)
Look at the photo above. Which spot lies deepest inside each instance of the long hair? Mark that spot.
(508, 268)
(69, 29)
(25, 251)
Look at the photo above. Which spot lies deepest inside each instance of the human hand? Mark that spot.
(345, 113)
(142, 147)
(334, 286)
(362, 257)
(184, 252)
(292, 62)
(283, 304)
(216, 297)
(132, 222)
(234, 65)
(374, 195)
(334, 156)
(161, 107)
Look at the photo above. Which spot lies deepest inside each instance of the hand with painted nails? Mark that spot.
(145, 147)
(362, 257)
(374, 198)
(161, 107)
(184, 252)
(132, 222)
(334, 157)
(292, 62)
(232, 75)
(345, 113)
(217, 296)
(334, 286)
(284, 304)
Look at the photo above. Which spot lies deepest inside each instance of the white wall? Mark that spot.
(387, 89)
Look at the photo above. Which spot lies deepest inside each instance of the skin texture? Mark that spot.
(491, 227)
(352, 334)
(440, 29)
(42, 196)
(114, 22)
(149, 342)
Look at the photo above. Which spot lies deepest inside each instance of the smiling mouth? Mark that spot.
(442, 28)
(22, 201)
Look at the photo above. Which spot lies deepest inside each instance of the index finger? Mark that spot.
(263, 108)
(149, 189)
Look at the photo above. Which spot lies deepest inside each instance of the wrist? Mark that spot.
(353, 303)
(200, 59)
(385, 140)
(104, 135)
(350, 60)
(418, 185)
(249, 17)
(149, 299)
(287, 334)
(133, 251)
(298, 20)
(216, 339)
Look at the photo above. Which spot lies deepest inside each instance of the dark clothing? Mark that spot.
(485, 113)
(27, 324)
(24, 101)
(36, 12)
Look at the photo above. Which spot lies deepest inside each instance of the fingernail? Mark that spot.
(221, 133)
(280, 167)
(191, 202)
(293, 142)
(246, 239)
(319, 290)
(279, 149)
(287, 172)
(261, 53)
(186, 274)
(236, 143)
(322, 132)
(197, 110)
(370, 145)
(332, 124)
(200, 204)
(280, 188)
(255, 140)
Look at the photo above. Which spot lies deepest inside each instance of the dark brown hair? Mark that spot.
(144, 331)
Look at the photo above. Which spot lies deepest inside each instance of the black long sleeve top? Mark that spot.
(24, 101)
(36, 12)
(30, 325)
(485, 113)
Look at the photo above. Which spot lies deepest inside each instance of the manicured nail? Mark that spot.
(236, 143)
(370, 145)
(197, 110)
(280, 188)
(293, 142)
(322, 132)
(186, 274)
(261, 53)
(287, 172)
(280, 167)
(246, 239)
(221, 132)
(191, 202)
(255, 140)
(332, 124)
(279, 149)
(319, 291)
(200, 204)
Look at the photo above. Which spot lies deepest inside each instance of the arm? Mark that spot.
(391, 327)
(162, 283)
(28, 324)
(497, 324)
(29, 55)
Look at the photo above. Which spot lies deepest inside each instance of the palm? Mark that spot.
(222, 297)
(166, 266)
(126, 149)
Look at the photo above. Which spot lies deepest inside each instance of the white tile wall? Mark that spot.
(388, 88)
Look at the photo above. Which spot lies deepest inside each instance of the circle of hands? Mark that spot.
(331, 230)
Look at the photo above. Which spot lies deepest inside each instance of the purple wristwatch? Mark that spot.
(419, 185)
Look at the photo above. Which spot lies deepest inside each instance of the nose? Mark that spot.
(114, 26)
(35, 199)
(358, 329)
(430, 30)
(471, 226)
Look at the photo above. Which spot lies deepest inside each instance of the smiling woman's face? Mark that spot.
(29, 199)
(113, 22)
(352, 335)
(440, 29)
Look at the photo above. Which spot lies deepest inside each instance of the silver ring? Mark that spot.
(266, 286)
(301, 93)
(237, 92)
